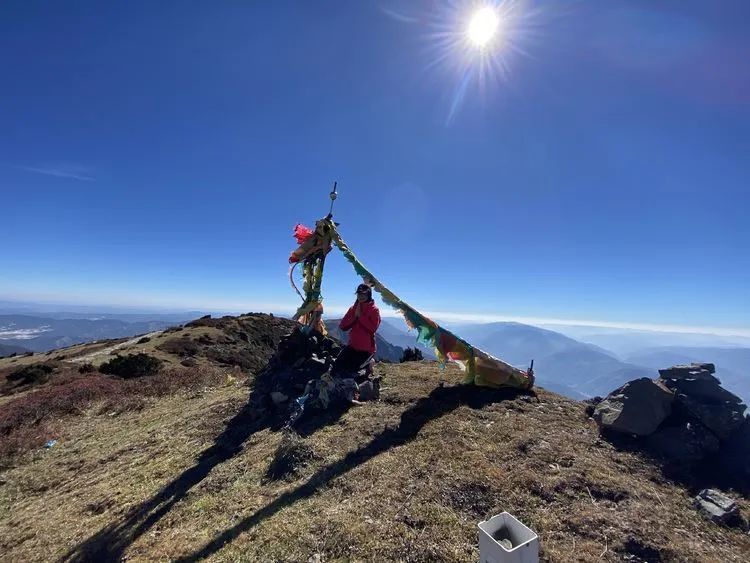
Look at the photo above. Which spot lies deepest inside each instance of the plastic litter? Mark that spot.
(505, 539)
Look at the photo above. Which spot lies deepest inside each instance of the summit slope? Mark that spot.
(191, 474)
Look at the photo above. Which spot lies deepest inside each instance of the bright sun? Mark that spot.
(483, 26)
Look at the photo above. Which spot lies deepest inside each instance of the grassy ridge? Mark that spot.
(190, 475)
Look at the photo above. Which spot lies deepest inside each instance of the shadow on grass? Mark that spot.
(438, 403)
(110, 543)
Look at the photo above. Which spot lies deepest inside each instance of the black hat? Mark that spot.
(364, 288)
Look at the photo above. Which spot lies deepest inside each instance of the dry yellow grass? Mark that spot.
(406, 478)
(100, 352)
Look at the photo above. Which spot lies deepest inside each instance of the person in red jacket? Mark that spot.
(362, 320)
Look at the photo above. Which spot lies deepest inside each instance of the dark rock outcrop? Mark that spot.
(735, 453)
(301, 368)
(638, 407)
(686, 417)
(708, 391)
(687, 442)
(722, 419)
(688, 371)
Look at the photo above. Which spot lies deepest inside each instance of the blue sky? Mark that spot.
(159, 154)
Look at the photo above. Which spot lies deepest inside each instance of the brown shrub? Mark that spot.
(31, 374)
(49, 402)
(24, 439)
(118, 405)
(24, 422)
(291, 456)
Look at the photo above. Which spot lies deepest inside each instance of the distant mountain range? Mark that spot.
(40, 334)
(128, 314)
(625, 342)
(569, 366)
(7, 350)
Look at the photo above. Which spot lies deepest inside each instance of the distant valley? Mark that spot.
(570, 366)
(19, 333)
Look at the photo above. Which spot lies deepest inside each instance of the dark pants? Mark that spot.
(348, 362)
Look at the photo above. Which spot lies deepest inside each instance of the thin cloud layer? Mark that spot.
(70, 172)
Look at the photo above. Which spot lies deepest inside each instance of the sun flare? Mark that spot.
(483, 27)
(474, 42)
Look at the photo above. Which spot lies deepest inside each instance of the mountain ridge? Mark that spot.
(41, 334)
(173, 467)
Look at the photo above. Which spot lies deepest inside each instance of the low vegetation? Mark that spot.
(26, 422)
(132, 365)
(412, 355)
(180, 346)
(31, 375)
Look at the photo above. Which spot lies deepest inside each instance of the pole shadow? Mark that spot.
(110, 543)
(438, 403)
(257, 414)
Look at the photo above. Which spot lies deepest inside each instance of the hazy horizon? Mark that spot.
(560, 325)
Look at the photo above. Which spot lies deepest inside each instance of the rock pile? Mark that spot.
(701, 397)
(302, 361)
(685, 416)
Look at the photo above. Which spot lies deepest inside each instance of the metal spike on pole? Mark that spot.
(333, 195)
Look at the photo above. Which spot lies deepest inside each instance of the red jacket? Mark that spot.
(363, 329)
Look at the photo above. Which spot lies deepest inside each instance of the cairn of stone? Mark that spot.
(304, 357)
(685, 416)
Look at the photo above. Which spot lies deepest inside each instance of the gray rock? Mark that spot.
(722, 419)
(707, 391)
(638, 407)
(718, 508)
(687, 371)
(705, 379)
(687, 443)
(369, 390)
